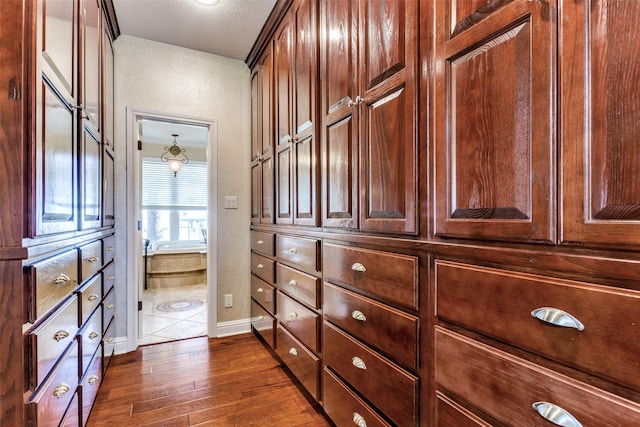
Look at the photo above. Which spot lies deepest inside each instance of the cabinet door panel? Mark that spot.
(283, 82)
(284, 195)
(600, 75)
(108, 87)
(256, 116)
(266, 191)
(305, 181)
(59, 44)
(494, 141)
(256, 182)
(91, 180)
(91, 63)
(266, 101)
(305, 67)
(108, 217)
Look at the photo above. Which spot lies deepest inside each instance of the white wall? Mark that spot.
(159, 78)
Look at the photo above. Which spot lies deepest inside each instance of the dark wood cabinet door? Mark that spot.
(266, 101)
(91, 65)
(256, 115)
(305, 154)
(283, 81)
(256, 185)
(388, 127)
(339, 29)
(267, 191)
(599, 128)
(108, 197)
(90, 180)
(495, 128)
(284, 193)
(108, 88)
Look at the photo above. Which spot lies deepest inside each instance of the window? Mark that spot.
(173, 207)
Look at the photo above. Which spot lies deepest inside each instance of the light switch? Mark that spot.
(231, 202)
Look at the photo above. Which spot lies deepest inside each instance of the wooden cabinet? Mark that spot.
(494, 138)
(91, 83)
(369, 154)
(263, 307)
(90, 181)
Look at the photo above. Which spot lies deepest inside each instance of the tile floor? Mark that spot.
(173, 313)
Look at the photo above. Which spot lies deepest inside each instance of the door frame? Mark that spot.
(134, 248)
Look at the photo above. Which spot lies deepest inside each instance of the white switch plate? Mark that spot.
(231, 202)
(228, 300)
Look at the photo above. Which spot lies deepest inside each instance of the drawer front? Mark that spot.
(89, 297)
(301, 286)
(108, 308)
(390, 276)
(48, 341)
(48, 406)
(90, 259)
(499, 304)
(304, 364)
(300, 251)
(52, 280)
(303, 323)
(90, 338)
(108, 346)
(72, 416)
(263, 267)
(108, 278)
(263, 293)
(449, 413)
(345, 408)
(263, 323)
(506, 387)
(387, 386)
(385, 328)
(262, 243)
(90, 385)
(108, 249)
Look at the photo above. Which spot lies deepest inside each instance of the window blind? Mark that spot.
(162, 190)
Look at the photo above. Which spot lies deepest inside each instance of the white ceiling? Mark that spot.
(228, 28)
(159, 132)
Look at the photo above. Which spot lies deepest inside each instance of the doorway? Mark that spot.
(174, 216)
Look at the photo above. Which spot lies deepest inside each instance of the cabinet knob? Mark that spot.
(293, 250)
(259, 242)
(61, 279)
(359, 100)
(93, 379)
(110, 277)
(359, 420)
(61, 390)
(293, 351)
(93, 259)
(109, 340)
(358, 315)
(92, 297)
(260, 290)
(555, 414)
(93, 335)
(358, 267)
(60, 335)
(293, 315)
(358, 363)
(110, 306)
(557, 317)
(292, 282)
(260, 266)
(109, 248)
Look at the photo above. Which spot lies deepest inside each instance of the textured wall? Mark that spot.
(159, 78)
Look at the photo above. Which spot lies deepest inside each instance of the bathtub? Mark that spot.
(176, 264)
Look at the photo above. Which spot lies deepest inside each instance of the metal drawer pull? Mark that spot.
(259, 242)
(93, 379)
(259, 266)
(358, 267)
(110, 306)
(110, 277)
(61, 279)
(93, 335)
(557, 317)
(109, 340)
(260, 317)
(260, 290)
(358, 315)
(359, 420)
(358, 363)
(293, 250)
(294, 315)
(109, 248)
(61, 390)
(293, 351)
(93, 259)
(555, 414)
(292, 282)
(92, 297)
(60, 335)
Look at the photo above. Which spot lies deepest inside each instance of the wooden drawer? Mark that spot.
(108, 308)
(300, 251)
(89, 298)
(108, 345)
(262, 243)
(50, 402)
(390, 276)
(499, 304)
(263, 293)
(48, 341)
(506, 387)
(90, 384)
(385, 328)
(50, 281)
(90, 338)
(302, 322)
(72, 416)
(450, 414)
(108, 249)
(345, 408)
(263, 323)
(391, 389)
(304, 364)
(301, 286)
(263, 267)
(90, 259)
(108, 278)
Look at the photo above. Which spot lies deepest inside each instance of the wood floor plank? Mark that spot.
(232, 381)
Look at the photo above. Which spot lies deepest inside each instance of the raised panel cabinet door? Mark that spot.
(305, 75)
(599, 123)
(256, 185)
(283, 185)
(90, 180)
(339, 68)
(388, 127)
(495, 127)
(283, 74)
(267, 191)
(108, 207)
(108, 87)
(91, 77)
(266, 102)
(256, 115)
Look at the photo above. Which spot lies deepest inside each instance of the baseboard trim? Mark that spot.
(233, 327)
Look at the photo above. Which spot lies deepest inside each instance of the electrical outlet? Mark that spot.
(228, 300)
(231, 202)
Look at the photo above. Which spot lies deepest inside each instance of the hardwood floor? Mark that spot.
(231, 381)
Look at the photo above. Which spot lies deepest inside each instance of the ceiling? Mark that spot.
(228, 28)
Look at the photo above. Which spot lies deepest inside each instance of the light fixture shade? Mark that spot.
(175, 166)
(175, 156)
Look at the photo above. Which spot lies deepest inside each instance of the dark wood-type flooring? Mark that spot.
(231, 381)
